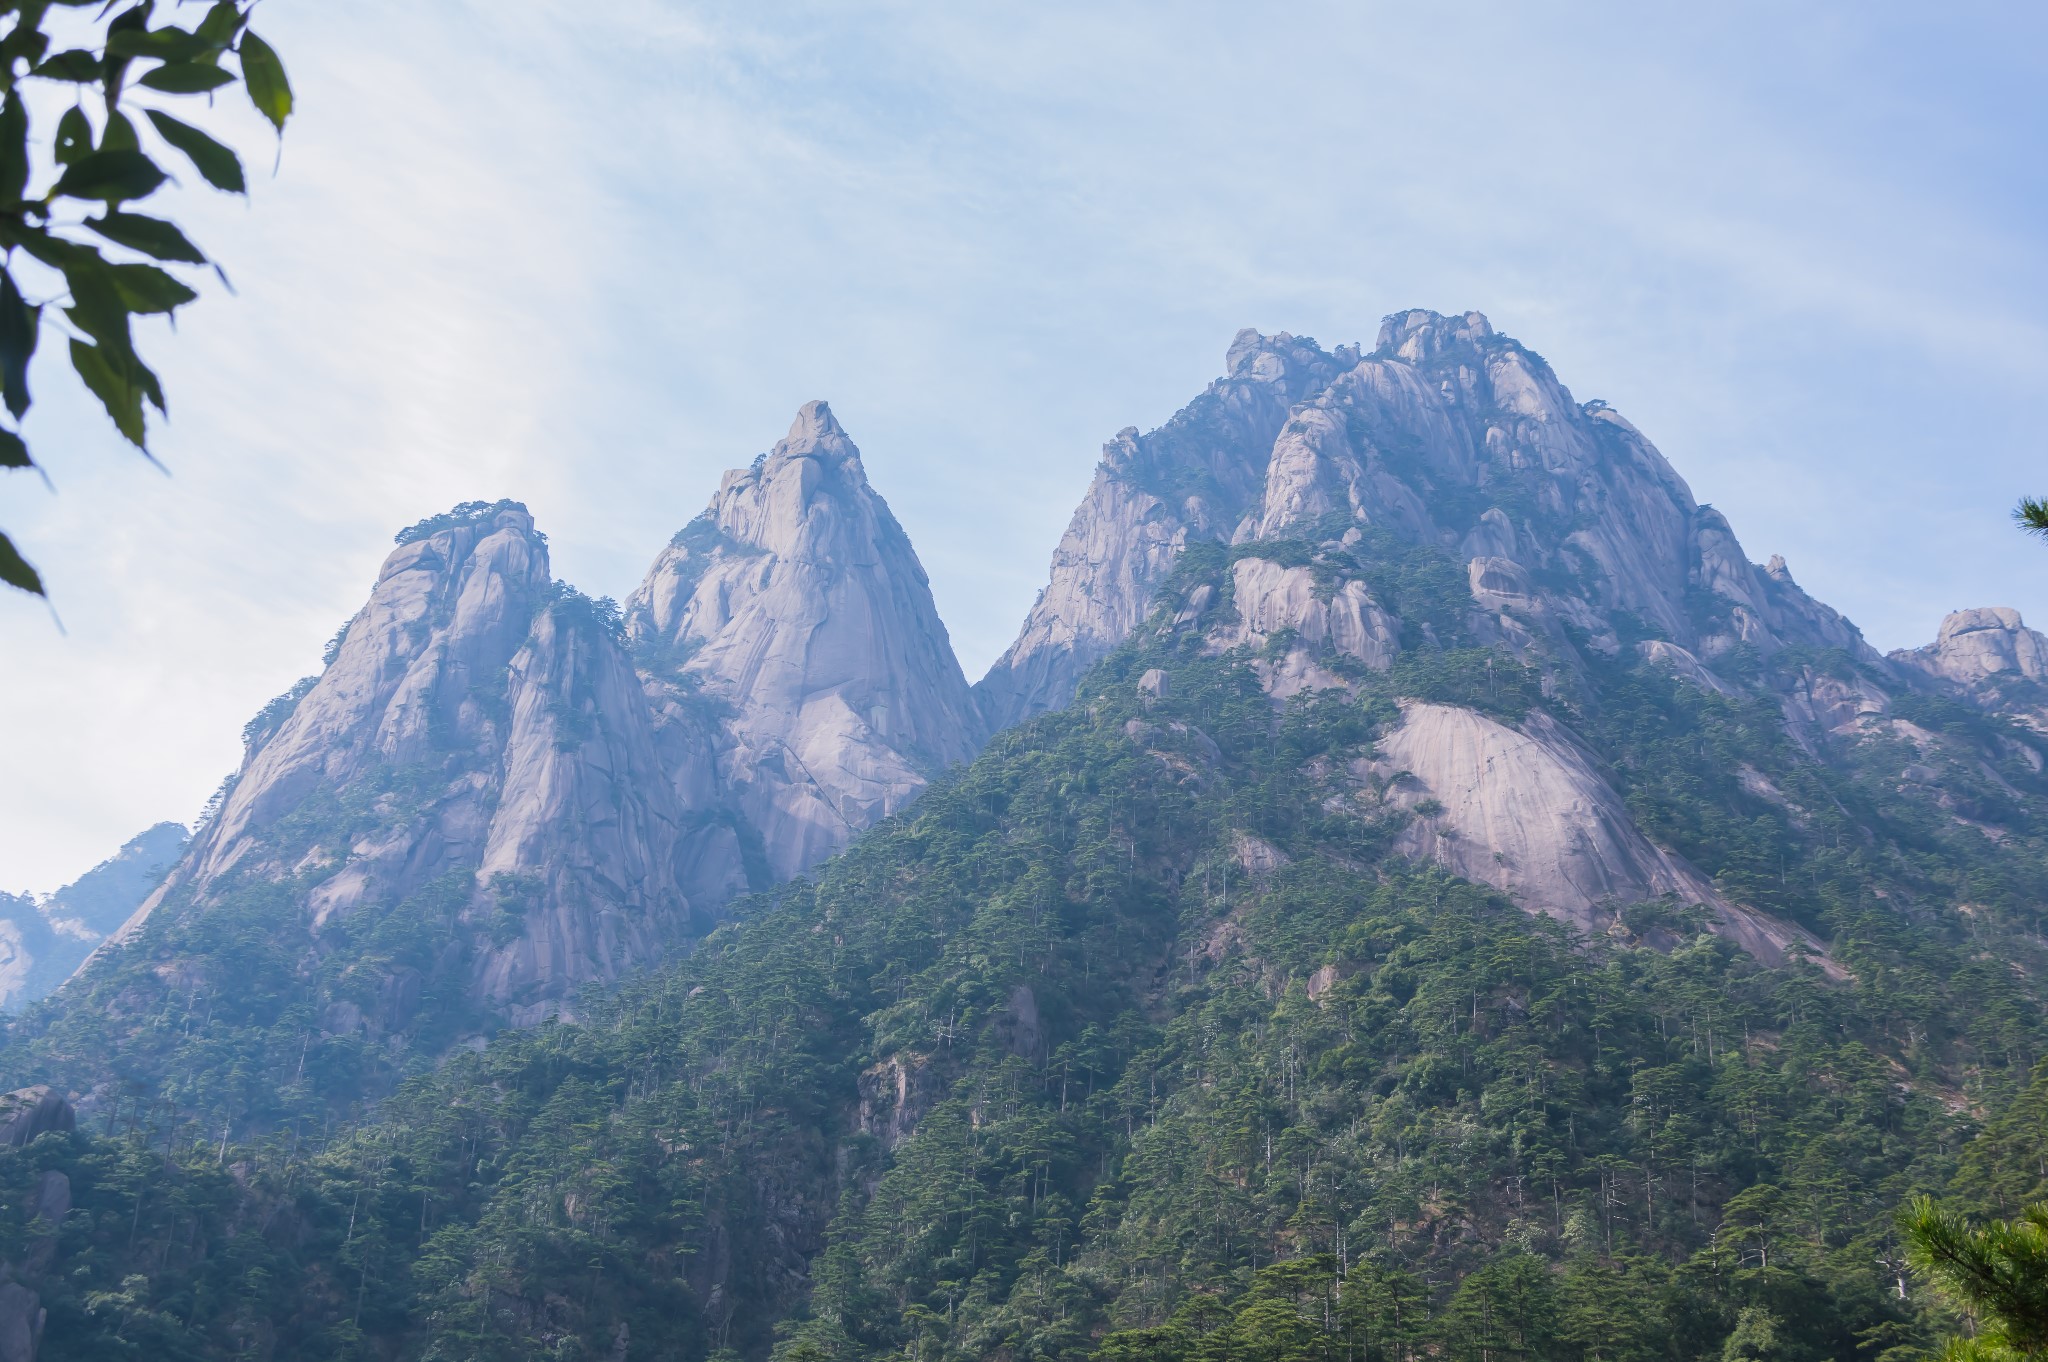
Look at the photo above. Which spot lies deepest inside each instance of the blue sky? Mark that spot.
(589, 256)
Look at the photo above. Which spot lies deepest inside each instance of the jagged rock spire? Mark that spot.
(479, 722)
(1194, 478)
(1448, 440)
(796, 602)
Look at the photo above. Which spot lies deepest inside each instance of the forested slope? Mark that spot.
(1136, 1037)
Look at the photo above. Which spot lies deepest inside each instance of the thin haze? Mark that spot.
(590, 255)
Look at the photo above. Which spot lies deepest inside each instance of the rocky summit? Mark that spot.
(796, 610)
(1334, 480)
(515, 791)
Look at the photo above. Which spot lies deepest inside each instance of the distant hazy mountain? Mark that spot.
(43, 940)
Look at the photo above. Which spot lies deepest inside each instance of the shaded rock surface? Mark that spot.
(1194, 478)
(795, 653)
(25, 1114)
(1528, 811)
(569, 792)
(1445, 434)
(1338, 481)
(477, 723)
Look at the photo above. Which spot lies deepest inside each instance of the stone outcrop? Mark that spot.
(1452, 454)
(1194, 478)
(480, 725)
(1979, 650)
(576, 796)
(795, 638)
(1274, 603)
(1528, 811)
(25, 1114)
(1449, 435)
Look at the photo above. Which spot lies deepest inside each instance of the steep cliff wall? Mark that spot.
(789, 635)
(1192, 479)
(477, 721)
(1392, 511)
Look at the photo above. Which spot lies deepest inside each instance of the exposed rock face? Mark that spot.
(1447, 491)
(797, 608)
(1273, 602)
(1194, 478)
(478, 722)
(1271, 599)
(26, 1113)
(1447, 434)
(1977, 650)
(26, 944)
(483, 747)
(1527, 811)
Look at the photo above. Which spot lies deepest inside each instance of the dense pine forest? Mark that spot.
(1130, 1040)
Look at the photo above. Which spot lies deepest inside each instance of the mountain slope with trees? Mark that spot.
(1449, 904)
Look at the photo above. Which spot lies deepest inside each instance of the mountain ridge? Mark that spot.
(1424, 918)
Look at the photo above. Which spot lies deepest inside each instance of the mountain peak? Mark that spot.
(1279, 357)
(809, 497)
(797, 602)
(815, 427)
(1419, 334)
(1979, 649)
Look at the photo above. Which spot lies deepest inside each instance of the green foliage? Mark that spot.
(1422, 585)
(106, 163)
(1996, 1273)
(1129, 1040)
(458, 516)
(273, 715)
(574, 608)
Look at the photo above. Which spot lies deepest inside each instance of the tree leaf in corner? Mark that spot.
(74, 137)
(15, 571)
(221, 167)
(110, 177)
(186, 78)
(13, 148)
(14, 451)
(147, 289)
(151, 236)
(120, 134)
(221, 23)
(77, 67)
(264, 76)
(19, 324)
(121, 398)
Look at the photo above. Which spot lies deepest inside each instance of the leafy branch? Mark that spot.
(102, 160)
(1996, 1273)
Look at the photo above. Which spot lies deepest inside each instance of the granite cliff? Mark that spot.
(1444, 491)
(500, 791)
(530, 791)
(804, 681)
(1423, 842)
(478, 733)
